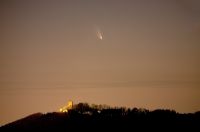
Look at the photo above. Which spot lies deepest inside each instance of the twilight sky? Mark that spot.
(51, 51)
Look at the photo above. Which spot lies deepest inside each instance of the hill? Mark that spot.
(86, 118)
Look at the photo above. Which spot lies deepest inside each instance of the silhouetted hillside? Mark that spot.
(103, 118)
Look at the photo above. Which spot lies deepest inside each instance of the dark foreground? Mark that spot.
(85, 118)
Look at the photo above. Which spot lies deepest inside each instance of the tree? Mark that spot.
(82, 107)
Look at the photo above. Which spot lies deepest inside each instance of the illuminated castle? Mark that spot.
(67, 108)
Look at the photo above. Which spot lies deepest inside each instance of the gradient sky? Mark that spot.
(50, 52)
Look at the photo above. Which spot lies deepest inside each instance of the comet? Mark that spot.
(99, 34)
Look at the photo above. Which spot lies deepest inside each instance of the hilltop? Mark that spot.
(104, 118)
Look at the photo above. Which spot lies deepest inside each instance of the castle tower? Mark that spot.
(70, 105)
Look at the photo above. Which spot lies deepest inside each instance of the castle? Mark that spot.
(68, 107)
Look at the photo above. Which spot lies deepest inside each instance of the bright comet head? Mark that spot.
(100, 37)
